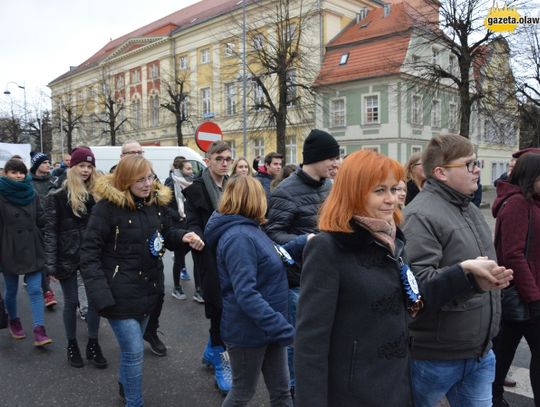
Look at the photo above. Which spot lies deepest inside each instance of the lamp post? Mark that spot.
(7, 92)
(244, 87)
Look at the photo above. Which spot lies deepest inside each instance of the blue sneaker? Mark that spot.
(184, 275)
(222, 370)
(208, 355)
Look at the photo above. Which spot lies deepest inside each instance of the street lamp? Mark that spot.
(7, 92)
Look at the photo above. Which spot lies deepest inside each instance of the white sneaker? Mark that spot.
(178, 293)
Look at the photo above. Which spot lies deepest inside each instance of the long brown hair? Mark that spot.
(360, 173)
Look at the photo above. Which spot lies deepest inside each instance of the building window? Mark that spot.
(120, 82)
(452, 117)
(436, 113)
(183, 62)
(371, 109)
(258, 97)
(205, 56)
(230, 99)
(258, 41)
(184, 107)
(417, 111)
(136, 113)
(452, 64)
(435, 56)
(154, 111)
(258, 147)
(206, 107)
(135, 76)
(153, 70)
(290, 149)
(344, 58)
(232, 145)
(337, 112)
(292, 96)
(229, 49)
(372, 148)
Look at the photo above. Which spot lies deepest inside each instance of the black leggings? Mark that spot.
(505, 345)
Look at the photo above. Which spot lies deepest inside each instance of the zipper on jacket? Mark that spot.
(115, 271)
(117, 232)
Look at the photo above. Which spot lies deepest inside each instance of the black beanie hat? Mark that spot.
(318, 146)
(37, 159)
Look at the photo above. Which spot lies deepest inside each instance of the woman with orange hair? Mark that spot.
(357, 294)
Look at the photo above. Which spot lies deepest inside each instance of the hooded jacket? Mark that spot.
(123, 278)
(253, 285)
(442, 230)
(63, 234)
(518, 227)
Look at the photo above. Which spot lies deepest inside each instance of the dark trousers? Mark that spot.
(505, 345)
(153, 321)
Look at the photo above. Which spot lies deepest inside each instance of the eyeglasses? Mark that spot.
(219, 160)
(149, 179)
(471, 165)
(138, 152)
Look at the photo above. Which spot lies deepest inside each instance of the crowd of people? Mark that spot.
(344, 281)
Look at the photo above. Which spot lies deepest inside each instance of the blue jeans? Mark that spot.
(33, 288)
(246, 365)
(294, 293)
(129, 334)
(465, 382)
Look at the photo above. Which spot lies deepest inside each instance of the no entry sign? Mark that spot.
(206, 134)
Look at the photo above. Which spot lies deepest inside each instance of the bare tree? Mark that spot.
(177, 102)
(278, 58)
(11, 129)
(112, 111)
(457, 26)
(71, 119)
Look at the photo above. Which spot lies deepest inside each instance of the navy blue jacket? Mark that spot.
(253, 282)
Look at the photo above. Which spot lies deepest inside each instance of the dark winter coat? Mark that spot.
(352, 337)
(198, 210)
(265, 179)
(63, 234)
(42, 184)
(21, 244)
(294, 207)
(518, 227)
(122, 277)
(443, 229)
(253, 285)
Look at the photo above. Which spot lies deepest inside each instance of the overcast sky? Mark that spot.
(40, 39)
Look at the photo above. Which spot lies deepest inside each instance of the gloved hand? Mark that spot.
(534, 309)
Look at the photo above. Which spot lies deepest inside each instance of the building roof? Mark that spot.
(190, 16)
(376, 46)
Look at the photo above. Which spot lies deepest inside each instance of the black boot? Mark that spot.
(93, 354)
(74, 354)
(158, 347)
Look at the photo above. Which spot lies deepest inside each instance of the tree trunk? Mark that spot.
(179, 135)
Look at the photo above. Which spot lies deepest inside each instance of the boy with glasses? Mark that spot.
(447, 237)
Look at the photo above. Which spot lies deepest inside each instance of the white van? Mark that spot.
(161, 158)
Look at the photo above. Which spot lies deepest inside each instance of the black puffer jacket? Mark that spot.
(294, 206)
(63, 234)
(122, 277)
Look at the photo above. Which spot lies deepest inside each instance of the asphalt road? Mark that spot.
(33, 377)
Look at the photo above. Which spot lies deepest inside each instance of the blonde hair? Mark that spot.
(244, 196)
(235, 164)
(127, 172)
(79, 191)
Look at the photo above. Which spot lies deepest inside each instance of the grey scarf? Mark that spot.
(213, 190)
(180, 182)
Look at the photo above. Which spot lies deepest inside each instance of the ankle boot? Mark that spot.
(74, 354)
(94, 355)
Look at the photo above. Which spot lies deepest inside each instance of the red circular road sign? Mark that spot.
(206, 134)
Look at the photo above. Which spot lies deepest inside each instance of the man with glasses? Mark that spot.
(447, 237)
(202, 198)
(131, 147)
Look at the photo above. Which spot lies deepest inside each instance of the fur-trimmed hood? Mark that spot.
(103, 189)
